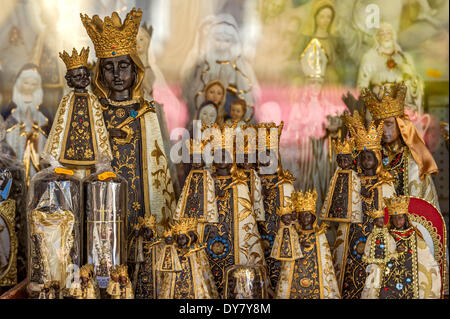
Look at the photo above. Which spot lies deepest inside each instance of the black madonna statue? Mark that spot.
(134, 130)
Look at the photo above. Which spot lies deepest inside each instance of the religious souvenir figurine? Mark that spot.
(143, 255)
(343, 201)
(246, 155)
(54, 218)
(312, 276)
(376, 184)
(246, 282)
(78, 137)
(134, 129)
(379, 250)
(195, 280)
(86, 288)
(28, 122)
(119, 285)
(238, 109)
(198, 198)
(386, 63)
(235, 238)
(415, 273)
(168, 260)
(286, 246)
(276, 186)
(404, 153)
(105, 208)
(215, 92)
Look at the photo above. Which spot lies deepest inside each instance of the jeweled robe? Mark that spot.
(407, 182)
(351, 239)
(78, 137)
(415, 273)
(279, 190)
(142, 162)
(197, 200)
(235, 238)
(312, 276)
(194, 281)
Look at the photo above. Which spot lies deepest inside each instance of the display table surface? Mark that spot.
(17, 292)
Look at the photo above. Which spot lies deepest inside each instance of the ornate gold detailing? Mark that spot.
(369, 139)
(304, 202)
(119, 270)
(376, 213)
(271, 142)
(392, 100)
(284, 210)
(397, 205)
(8, 275)
(110, 37)
(85, 271)
(125, 125)
(76, 60)
(148, 221)
(184, 225)
(344, 147)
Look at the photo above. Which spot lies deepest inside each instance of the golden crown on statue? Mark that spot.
(397, 205)
(250, 144)
(344, 147)
(148, 221)
(376, 214)
(391, 103)
(284, 210)
(185, 225)
(85, 271)
(271, 143)
(223, 136)
(304, 202)
(111, 37)
(369, 139)
(76, 60)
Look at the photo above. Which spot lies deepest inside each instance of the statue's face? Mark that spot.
(215, 94)
(391, 132)
(379, 222)
(246, 164)
(324, 18)
(385, 35)
(28, 85)
(237, 112)
(148, 232)
(398, 221)
(223, 163)
(182, 240)
(223, 40)
(118, 73)
(306, 219)
(368, 160)
(84, 280)
(344, 161)
(123, 280)
(208, 114)
(78, 78)
(142, 42)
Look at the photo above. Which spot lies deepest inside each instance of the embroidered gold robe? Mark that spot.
(78, 137)
(198, 200)
(312, 276)
(235, 238)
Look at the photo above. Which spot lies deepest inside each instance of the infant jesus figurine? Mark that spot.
(238, 108)
(78, 138)
(380, 248)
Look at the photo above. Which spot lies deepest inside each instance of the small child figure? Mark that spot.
(86, 288)
(380, 248)
(238, 108)
(78, 137)
(119, 286)
(287, 245)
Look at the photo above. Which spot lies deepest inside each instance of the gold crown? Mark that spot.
(119, 270)
(376, 214)
(250, 144)
(184, 225)
(224, 138)
(148, 221)
(392, 102)
(196, 146)
(76, 60)
(110, 37)
(270, 143)
(244, 273)
(369, 139)
(304, 202)
(85, 271)
(397, 205)
(344, 147)
(284, 210)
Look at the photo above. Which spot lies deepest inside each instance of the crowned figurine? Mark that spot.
(375, 184)
(380, 249)
(197, 199)
(235, 238)
(415, 273)
(194, 280)
(78, 137)
(312, 276)
(276, 187)
(144, 253)
(87, 287)
(119, 286)
(132, 123)
(403, 152)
